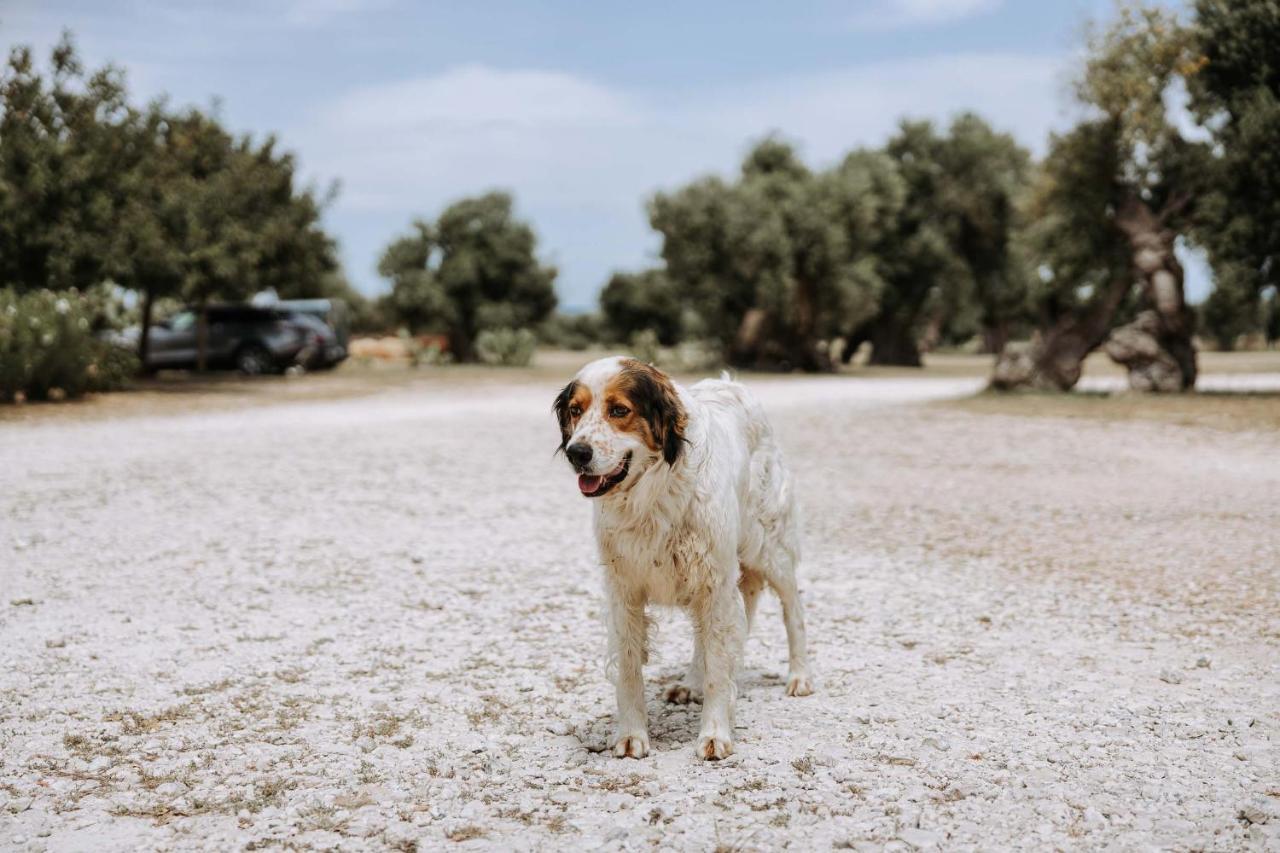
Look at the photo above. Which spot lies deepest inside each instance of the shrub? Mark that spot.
(645, 346)
(48, 350)
(690, 355)
(506, 347)
(570, 331)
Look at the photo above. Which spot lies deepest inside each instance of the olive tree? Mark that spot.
(472, 270)
(1124, 178)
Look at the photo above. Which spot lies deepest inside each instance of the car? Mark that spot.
(333, 317)
(324, 351)
(247, 338)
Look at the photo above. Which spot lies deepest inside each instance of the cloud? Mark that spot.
(318, 13)
(582, 157)
(477, 97)
(902, 14)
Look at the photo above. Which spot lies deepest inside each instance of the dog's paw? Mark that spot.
(632, 746)
(799, 684)
(681, 694)
(714, 747)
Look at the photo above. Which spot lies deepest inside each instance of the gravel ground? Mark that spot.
(375, 623)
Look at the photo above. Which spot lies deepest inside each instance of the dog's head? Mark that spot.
(617, 418)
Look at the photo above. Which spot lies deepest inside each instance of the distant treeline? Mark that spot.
(947, 237)
(940, 237)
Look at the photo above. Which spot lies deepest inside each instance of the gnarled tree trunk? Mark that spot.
(1156, 347)
(893, 343)
(1052, 361)
(994, 337)
(762, 343)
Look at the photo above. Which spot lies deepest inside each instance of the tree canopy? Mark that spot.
(169, 204)
(1236, 94)
(786, 259)
(647, 300)
(474, 269)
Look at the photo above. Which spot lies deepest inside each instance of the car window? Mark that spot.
(182, 321)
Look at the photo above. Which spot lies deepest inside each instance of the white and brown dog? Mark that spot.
(693, 508)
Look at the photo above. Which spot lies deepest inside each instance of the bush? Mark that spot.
(645, 346)
(691, 356)
(48, 351)
(570, 331)
(506, 347)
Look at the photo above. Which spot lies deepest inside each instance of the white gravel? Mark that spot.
(375, 623)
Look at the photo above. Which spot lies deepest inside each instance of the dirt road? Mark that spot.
(375, 623)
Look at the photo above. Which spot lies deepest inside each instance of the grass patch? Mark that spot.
(465, 833)
(138, 723)
(1212, 410)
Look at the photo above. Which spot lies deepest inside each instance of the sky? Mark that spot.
(581, 110)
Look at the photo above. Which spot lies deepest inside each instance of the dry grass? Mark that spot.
(1233, 412)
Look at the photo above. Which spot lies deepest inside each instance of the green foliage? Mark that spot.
(1117, 189)
(48, 350)
(1076, 246)
(1235, 90)
(170, 205)
(986, 176)
(506, 347)
(1233, 308)
(571, 331)
(645, 346)
(1131, 64)
(949, 252)
(773, 262)
(632, 302)
(62, 146)
(220, 217)
(472, 270)
(786, 258)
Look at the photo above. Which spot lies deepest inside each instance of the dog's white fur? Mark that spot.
(705, 533)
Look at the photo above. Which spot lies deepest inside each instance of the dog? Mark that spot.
(694, 508)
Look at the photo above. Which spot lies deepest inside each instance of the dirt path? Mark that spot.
(372, 623)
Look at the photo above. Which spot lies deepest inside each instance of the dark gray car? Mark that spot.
(242, 337)
(332, 320)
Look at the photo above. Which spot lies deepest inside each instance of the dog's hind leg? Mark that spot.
(781, 574)
(750, 584)
(689, 688)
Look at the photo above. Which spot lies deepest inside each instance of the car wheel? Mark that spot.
(253, 360)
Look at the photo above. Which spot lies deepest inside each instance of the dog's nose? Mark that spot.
(579, 454)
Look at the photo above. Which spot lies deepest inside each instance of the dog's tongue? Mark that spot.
(588, 484)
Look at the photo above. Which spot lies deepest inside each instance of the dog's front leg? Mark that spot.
(628, 641)
(722, 625)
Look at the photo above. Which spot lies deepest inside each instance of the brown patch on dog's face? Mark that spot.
(642, 400)
(574, 400)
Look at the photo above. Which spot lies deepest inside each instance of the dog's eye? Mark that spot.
(575, 411)
(618, 411)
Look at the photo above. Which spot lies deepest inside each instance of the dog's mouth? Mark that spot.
(595, 485)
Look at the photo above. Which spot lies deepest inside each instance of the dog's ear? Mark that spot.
(660, 403)
(561, 407)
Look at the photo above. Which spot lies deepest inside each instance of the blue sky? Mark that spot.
(581, 109)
